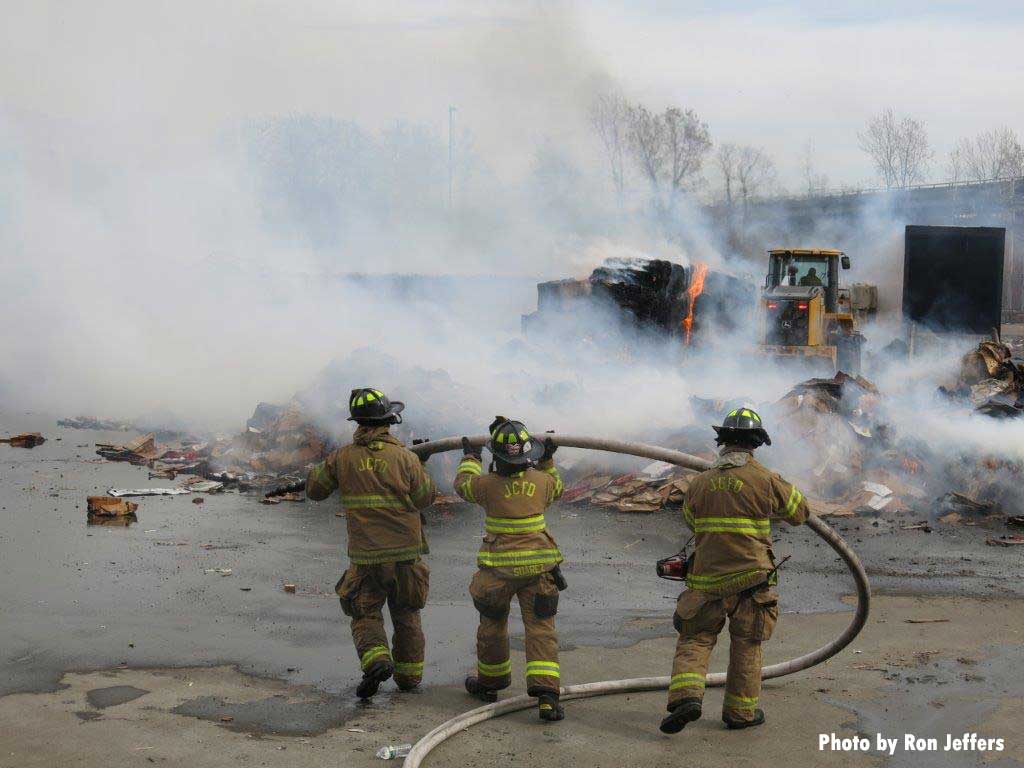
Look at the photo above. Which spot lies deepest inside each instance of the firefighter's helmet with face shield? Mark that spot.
(742, 426)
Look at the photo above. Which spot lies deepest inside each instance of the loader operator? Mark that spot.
(383, 488)
(729, 509)
(518, 558)
(811, 278)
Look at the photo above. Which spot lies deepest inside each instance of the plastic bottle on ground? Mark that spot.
(391, 752)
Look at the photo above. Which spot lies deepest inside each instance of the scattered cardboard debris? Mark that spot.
(142, 450)
(1004, 541)
(109, 506)
(293, 497)
(24, 440)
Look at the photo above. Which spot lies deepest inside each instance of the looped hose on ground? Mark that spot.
(461, 722)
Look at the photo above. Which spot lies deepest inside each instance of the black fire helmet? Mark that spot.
(373, 407)
(740, 426)
(512, 443)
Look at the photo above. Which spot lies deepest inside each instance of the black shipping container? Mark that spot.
(953, 278)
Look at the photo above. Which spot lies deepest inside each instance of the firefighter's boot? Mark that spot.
(373, 677)
(475, 688)
(549, 708)
(682, 712)
(733, 725)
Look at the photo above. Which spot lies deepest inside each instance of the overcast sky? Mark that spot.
(776, 74)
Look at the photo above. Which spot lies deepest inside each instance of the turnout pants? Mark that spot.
(364, 589)
(538, 602)
(699, 618)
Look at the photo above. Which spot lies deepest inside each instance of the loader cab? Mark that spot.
(801, 268)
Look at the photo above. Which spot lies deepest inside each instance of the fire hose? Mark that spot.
(461, 722)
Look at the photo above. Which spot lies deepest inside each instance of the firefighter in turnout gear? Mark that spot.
(518, 558)
(383, 487)
(731, 574)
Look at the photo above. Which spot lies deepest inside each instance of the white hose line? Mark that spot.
(461, 722)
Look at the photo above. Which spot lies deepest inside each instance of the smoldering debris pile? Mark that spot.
(431, 394)
(644, 294)
(992, 380)
(841, 449)
(285, 441)
(279, 444)
(281, 441)
(834, 437)
(658, 486)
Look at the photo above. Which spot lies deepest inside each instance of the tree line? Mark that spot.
(672, 151)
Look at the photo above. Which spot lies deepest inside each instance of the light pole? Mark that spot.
(451, 121)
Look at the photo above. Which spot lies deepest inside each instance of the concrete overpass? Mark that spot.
(843, 219)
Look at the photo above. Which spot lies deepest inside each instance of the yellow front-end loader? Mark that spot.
(806, 313)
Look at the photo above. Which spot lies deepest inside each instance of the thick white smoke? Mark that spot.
(187, 190)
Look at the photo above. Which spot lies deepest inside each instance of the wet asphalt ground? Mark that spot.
(79, 598)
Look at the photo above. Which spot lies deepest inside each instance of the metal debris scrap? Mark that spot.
(198, 485)
(123, 492)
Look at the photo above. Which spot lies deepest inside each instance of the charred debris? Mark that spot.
(842, 447)
(645, 296)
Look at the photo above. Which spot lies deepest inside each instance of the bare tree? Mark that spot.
(814, 183)
(995, 154)
(687, 143)
(647, 144)
(747, 173)
(956, 167)
(609, 114)
(755, 173)
(898, 147)
(668, 148)
(726, 160)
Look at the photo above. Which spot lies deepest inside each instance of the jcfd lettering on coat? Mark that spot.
(372, 465)
(725, 483)
(527, 570)
(520, 488)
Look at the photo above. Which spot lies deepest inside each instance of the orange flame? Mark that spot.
(700, 272)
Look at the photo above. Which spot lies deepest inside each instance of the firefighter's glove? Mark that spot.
(549, 449)
(422, 456)
(469, 450)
